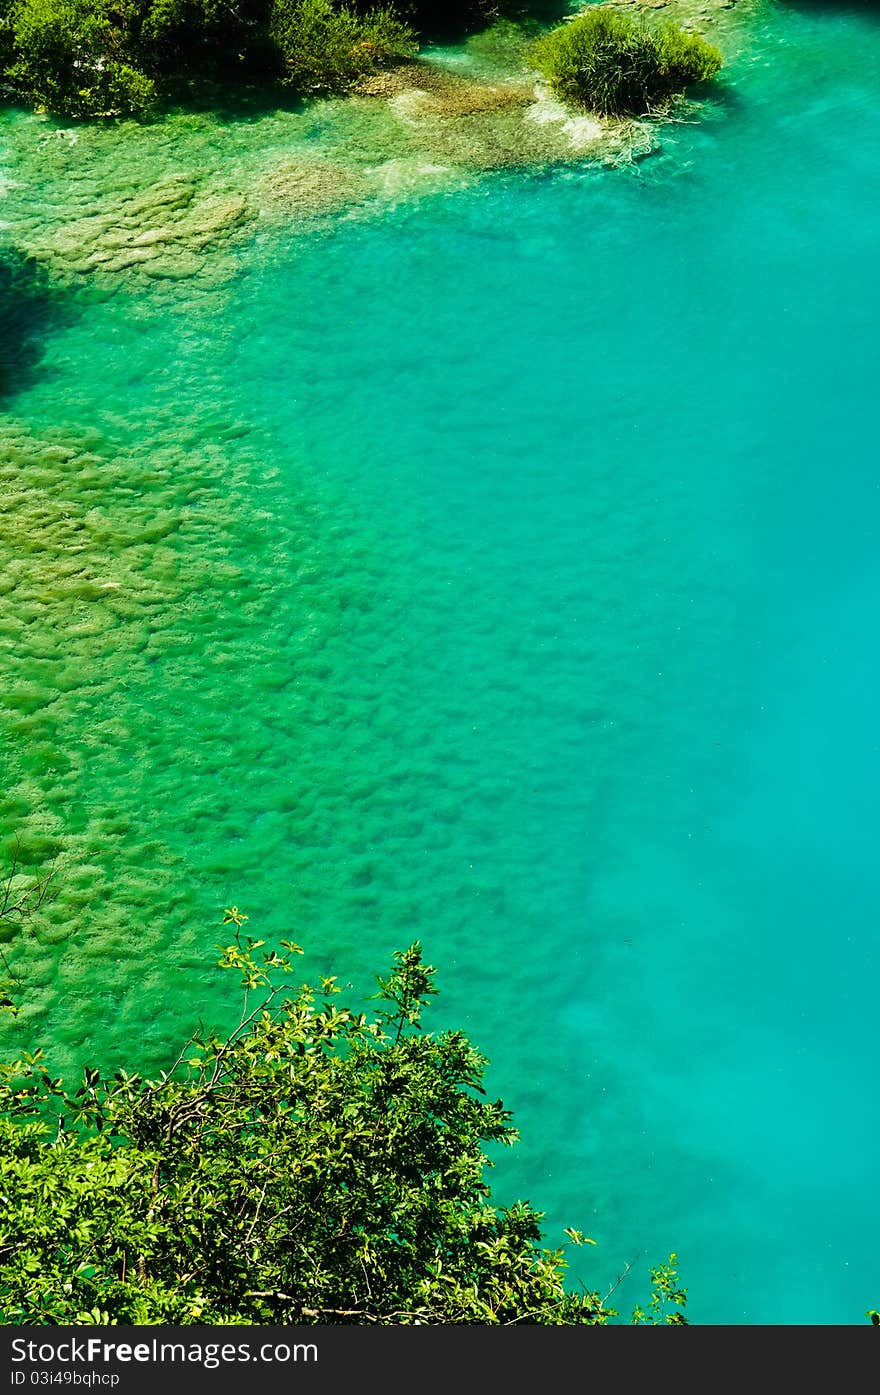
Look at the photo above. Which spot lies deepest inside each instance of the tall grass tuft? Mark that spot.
(616, 65)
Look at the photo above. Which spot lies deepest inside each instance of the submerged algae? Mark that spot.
(146, 564)
(130, 514)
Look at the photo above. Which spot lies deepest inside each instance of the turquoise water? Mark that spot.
(501, 572)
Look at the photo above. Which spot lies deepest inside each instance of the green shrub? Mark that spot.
(314, 1165)
(72, 57)
(616, 65)
(107, 57)
(6, 36)
(324, 48)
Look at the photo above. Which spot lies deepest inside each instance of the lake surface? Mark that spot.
(501, 572)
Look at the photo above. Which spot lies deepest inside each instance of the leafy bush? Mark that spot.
(616, 65)
(315, 1165)
(73, 57)
(111, 57)
(6, 35)
(324, 48)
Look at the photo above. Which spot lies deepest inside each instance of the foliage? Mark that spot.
(109, 57)
(6, 34)
(617, 65)
(74, 56)
(313, 1165)
(112, 57)
(326, 47)
(667, 1302)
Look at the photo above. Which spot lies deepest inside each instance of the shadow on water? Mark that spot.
(718, 98)
(30, 309)
(228, 99)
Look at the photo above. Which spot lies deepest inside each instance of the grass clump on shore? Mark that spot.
(323, 47)
(616, 65)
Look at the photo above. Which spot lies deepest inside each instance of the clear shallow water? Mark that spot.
(502, 573)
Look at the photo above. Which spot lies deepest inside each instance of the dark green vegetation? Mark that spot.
(313, 1165)
(616, 65)
(117, 57)
(324, 48)
(112, 57)
(107, 57)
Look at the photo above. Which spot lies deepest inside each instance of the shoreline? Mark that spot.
(167, 201)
